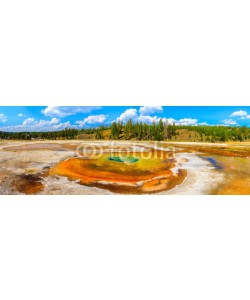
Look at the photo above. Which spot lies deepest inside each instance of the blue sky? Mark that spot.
(47, 118)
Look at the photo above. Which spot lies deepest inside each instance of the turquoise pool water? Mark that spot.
(123, 160)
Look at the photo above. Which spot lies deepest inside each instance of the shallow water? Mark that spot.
(213, 162)
(124, 160)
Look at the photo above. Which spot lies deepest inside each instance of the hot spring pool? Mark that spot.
(119, 159)
(137, 174)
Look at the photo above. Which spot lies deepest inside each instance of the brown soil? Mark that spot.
(28, 184)
(235, 186)
(223, 151)
(43, 146)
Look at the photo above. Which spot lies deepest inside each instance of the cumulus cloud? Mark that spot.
(130, 113)
(239, 113)
(187, 121)
(63, 111)
(28, 121)
(147, 119)
(3, 118)
(229, 122)
(54, 121)
(184, 121)
(53, 125)
(149, 110)
(170, 121)
(94, 119)
(36, 126)
(21, 115)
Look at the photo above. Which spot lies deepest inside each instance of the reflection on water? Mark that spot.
(213, 162)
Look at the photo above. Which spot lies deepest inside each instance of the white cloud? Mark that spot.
(21, 115)
(184, 121)
(94, 119)
(149, 110)
(170, 121)
(229, 122)
(246, 117)
(42, 125)
(130, 113)
(61, 126)
(54, 121)
(187, 121)
(63, 111)
(53, 124)
(3, 118)
(28, 121)
(148, 119)
(45, 126)
(239, 113)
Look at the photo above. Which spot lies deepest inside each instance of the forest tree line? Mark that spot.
(219, 133)
(160, 131)
(139, 131)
